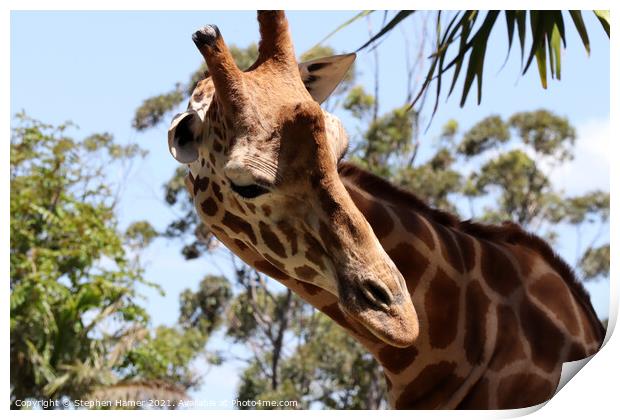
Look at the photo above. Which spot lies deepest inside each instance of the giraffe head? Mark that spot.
(263, 171)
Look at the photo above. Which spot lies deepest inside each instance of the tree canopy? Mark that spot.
(79, 328)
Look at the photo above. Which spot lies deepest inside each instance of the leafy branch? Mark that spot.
(469, 32)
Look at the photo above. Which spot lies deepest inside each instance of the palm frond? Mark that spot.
(603, 17)
(400, 16)
(360, 15)
(547, 40)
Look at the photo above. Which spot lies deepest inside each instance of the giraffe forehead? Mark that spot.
(254, 138)
(201, 97)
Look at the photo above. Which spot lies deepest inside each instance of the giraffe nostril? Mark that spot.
(376, 295)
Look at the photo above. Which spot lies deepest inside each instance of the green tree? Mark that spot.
(78, 329)
(514, 161)
(325, 368)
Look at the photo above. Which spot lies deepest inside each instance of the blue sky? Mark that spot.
(95, 68)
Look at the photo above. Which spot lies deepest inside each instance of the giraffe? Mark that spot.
(458, 314)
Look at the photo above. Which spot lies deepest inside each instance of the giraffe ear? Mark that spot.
(321, 76)
(337, 135)
(184, 136)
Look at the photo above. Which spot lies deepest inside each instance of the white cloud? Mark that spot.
(590, 168)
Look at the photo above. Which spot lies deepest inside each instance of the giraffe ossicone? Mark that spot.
(458, 314)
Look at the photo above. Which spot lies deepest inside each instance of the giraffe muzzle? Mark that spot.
(387, 314)
(376, 295)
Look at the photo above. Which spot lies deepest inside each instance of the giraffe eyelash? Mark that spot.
(248, 191)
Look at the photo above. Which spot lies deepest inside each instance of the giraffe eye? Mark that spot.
(248, 191)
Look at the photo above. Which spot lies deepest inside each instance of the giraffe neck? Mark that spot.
(496, 320)
(494, 323)
(432, 372)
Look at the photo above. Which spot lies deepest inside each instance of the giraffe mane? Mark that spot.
(507, 232)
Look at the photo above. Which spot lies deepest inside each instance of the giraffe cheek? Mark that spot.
(209, 207)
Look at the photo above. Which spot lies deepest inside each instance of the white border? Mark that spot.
(593, 394)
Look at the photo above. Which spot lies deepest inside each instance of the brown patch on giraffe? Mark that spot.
(314, 251)
(306, 272)
(508, 345)
(441, 303)
(415, 225)
(476, 307)
(525, 259)
(310, 289)
(468, 251)
(240, 244)
(217, 191)
(275, 262)
(409, 262)
(217, 229)
(522, 390)
(268, 268)
(212, 159)
(203, 162)
(325, 234)
(375, 213)
(396, 360)
(290, 235)
(271, 240)
(238, 225)
(477, 398)
(217, 146)
(213, 110)
(576, 352)
(551, 290)
(209, 206)
(497, 269)
(251, 208)
(315, 180)
(545, 339)
(434, 385)
(228, 121)
(200, 184)
(198, 96)
(315, 257)
(266, 210)
(449, 248)
(217, 132)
